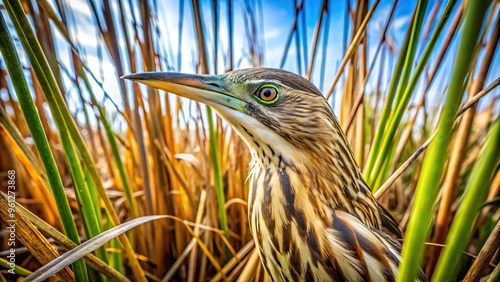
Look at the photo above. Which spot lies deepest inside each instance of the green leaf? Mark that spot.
(435, 157)
(87, 247)
(36, 128)
(475, 193)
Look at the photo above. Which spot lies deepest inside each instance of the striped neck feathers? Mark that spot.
(315, 166)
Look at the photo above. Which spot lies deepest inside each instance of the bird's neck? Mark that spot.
(283, 182)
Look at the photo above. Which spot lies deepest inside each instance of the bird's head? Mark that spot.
(267, 107)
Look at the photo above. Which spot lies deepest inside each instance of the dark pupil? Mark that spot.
(267, 93)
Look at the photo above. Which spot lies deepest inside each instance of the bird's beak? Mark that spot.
(205, 89)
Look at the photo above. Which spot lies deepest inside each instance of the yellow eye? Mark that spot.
(267, 94)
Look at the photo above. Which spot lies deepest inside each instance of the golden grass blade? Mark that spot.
(236, 259)
(360, 94)
(249, 271)
(484, 257)
(352, 47)
(62, 240)
(87, 247)
(199, 218)
(495, 275)
(12, 136)
(29, 236)
(180, 259)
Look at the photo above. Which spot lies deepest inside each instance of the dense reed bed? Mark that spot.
(153, 187)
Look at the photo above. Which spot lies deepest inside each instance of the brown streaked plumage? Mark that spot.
(311, 213)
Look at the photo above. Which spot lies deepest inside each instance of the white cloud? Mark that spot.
(400, 22)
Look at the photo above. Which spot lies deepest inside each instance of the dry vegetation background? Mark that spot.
(85, 162)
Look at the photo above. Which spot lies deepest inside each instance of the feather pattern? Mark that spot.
(340, 247)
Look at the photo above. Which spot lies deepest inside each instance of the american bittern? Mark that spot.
(312, 216)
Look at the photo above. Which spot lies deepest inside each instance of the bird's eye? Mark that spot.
(267, 94)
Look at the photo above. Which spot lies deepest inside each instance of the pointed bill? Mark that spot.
(205, 89)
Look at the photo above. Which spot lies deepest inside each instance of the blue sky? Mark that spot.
(274, 22)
